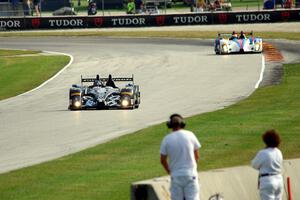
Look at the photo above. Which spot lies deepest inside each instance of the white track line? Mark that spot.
(57, 74)
(53, 77)
(261, 76)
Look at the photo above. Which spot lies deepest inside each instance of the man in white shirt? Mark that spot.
(181, 147)
(269, 163)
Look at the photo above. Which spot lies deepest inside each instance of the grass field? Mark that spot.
(229, 137)
(22, 73)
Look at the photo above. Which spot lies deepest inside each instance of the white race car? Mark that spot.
(232, 43)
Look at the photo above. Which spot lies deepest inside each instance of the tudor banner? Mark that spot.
(206, 18)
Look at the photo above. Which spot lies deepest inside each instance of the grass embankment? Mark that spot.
(21, 71)
(17, 52)
(148, 33)
(229, 137)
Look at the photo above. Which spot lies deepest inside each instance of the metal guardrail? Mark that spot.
(10, 9)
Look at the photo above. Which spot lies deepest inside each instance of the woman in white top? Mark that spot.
(268, 162)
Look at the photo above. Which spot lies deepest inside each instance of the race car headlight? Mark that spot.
(257, 47)
(225, 48)
(77, 104)
(125, 102)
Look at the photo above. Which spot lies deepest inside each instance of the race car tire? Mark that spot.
(73, 99)
(129, 108)
(136, 104)
(218, 52)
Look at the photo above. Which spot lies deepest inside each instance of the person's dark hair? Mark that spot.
(176, 121)
(271, 138)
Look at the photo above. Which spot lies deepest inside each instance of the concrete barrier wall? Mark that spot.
(232, 183)
(205, 18)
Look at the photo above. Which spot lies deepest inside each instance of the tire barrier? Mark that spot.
(27, 23)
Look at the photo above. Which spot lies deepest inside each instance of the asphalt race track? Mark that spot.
(183, 76)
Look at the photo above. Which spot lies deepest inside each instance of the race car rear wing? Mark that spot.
(119, 79)
(230, 33)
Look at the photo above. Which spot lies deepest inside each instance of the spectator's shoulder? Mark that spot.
(263, 152)
(277, 150)
(189, 132)
(167, 137)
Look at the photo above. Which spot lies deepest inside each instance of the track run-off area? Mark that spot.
(183, 76)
